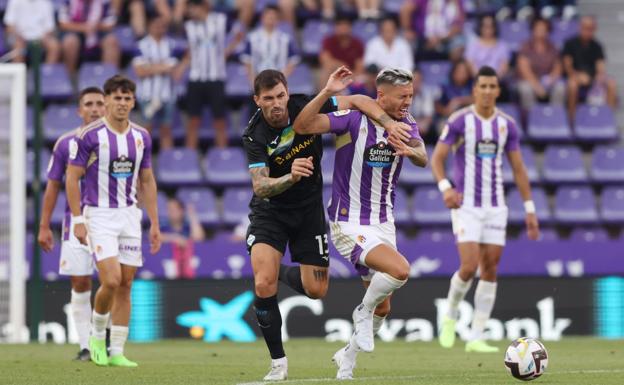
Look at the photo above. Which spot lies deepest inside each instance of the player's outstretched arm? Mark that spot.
(45, 238)
(148, 186)
(452, 199)
(522, 182)
(266, 187)
(72, 189)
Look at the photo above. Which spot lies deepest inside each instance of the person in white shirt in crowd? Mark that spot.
(389, 49)
(423, 103)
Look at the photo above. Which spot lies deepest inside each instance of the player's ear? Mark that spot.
(256, 100)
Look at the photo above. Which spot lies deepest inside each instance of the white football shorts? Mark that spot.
(486, 225)
(76, 259)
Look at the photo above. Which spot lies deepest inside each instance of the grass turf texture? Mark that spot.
(571, 361)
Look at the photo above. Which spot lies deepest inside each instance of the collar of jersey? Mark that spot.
(108, 127)
(491, 118)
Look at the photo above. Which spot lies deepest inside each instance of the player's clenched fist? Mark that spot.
(452, 199)
(80, 231)
(301, 167)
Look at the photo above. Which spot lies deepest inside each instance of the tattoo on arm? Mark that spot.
(265, 186)
(383, 119)
(320, 275)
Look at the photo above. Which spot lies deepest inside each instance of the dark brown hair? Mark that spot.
(90, 90)
(268, 79)
(121, 83)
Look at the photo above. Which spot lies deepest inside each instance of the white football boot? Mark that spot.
(279, 370)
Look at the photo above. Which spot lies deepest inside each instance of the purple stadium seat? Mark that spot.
(226, 167)
(575, 205)
(55, 83)
(548, 123)
(564, 164)
(436, 235)
(546, 234)
(44, 159)
(612, 207)
(435, 73)
(204, 202)
(428, 207)
(327, 165)
(59, 119)
(237, 85)
(595, 123)
(516, 206)
(529, 162)
(606, 165)
(95, 74)
(364, 30)
(562, 30)
(261, 4)
(314, 32)
(514, 33)
(178, 166)
(236, 205)
(301, 81)
(392, 6)
(589, 234)
(412, 175)
(126, 39)
(402, 213)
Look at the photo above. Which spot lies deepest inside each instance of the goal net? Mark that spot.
(12, 203)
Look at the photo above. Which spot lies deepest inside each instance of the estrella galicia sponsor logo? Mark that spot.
(379, 155)
(487, 149)
(122, 167)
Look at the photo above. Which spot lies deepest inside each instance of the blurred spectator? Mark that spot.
(487, 48)
(341, 48)
(388, 49)
(539, 68)
(457, 92)
(244, 8)
(524, 10)
(182, 231)
(366, 84)
(438, 26)
(585, 67)
(205, 31)
(422, 108)
(88, 24)
(368, 9)
(269, 48)
(289, 8)
(154, 65)
(139, 11)
(31, 20)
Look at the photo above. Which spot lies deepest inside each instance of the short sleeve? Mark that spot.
(341, 121)
(256, 152)
(58, 161)
(146, 161)
(599, 52)
(79, 150)
(513, 137)
(452, 132)
(415, 131)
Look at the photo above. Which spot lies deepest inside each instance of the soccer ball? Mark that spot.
(526, 359)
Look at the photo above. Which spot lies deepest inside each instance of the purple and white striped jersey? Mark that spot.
(479, 145)
(112, 162)
(365, 170)
(58, 166)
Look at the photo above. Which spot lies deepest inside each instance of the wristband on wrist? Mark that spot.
(444, 185)
(78, 220)
(529, 207)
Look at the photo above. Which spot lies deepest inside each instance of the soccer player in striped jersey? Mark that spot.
(367, 167)
(479, 135)
(114, 156)
(75, 260)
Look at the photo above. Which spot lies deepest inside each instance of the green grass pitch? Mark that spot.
(572, 361)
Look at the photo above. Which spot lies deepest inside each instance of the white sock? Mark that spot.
(381, 286)
(457, 292)
(110, 323)
(352, 349)
(485, 295)
(98, 325)
(81, 311)
(377, 323)
(118, 337)
(280, 361)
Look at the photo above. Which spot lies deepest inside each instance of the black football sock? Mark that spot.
(270, 322)
(291, 277)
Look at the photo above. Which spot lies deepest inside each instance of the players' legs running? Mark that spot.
(266, 263)
(81, 312)
(110, 279)
(121, 317)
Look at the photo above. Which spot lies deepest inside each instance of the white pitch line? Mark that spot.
(412, 377)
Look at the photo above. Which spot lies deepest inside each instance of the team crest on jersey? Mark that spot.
(139, 144)
(502, 129)
(379, 155)
(445, 132)
(361, 239)
(98, 249)
(122, 167)
(341, 112)
(73, 149)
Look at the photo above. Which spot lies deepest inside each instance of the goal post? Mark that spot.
(13, 203)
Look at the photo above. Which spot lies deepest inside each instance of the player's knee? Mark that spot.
(316, 291)
(467, 271)
(110, 282)
(81, 285)
(265, 287)
(400, 271)
(489, 271)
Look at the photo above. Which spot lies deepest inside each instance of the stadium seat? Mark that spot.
(402, 212)
(237, 85)
(301, 81)
(606, 165)
(548, 123)
(95, 74)
(226, 167)
(327, 165)
(529, 162)
(127, 40)
(575, 205)
(612, 204)
(412, 175)
(564, 164)
(428, 207)
(236, 205)
(59, 119)
(595, 124)
(562, 30)
(392, 6)
(589, 234)
(514, 33)
(178, 166)
(364, 30)
(204, 203)
(435, 73)
(435, 235)
(515, 203)
(314, 32)
(55, 83)
(44, 159)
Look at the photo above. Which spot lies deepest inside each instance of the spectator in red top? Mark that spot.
(341, 49)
